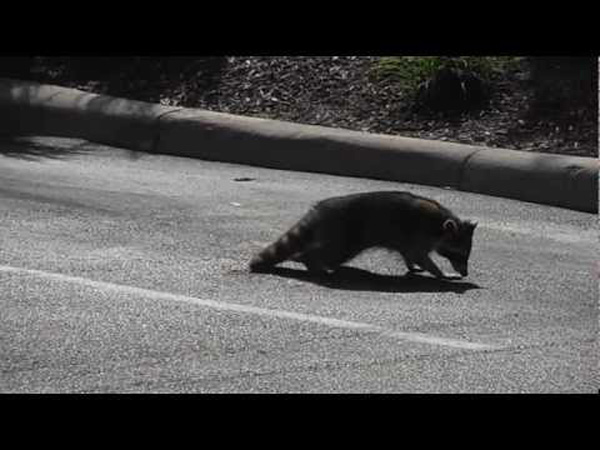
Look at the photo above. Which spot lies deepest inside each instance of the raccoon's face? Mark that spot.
(456, 244)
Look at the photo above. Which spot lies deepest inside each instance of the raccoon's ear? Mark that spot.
(450, 226)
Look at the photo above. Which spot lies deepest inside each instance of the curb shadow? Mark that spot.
(27, 148)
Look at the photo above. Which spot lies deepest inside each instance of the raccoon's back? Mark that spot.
(384, 215)
(388, 201)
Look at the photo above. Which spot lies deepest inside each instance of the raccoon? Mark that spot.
(337, 229)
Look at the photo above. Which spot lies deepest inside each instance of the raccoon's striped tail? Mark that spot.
(286, 247)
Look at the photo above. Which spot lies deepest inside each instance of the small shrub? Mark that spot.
(443, 83)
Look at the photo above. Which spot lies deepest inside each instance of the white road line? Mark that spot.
(248, 309)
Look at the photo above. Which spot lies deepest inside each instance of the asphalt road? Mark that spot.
(123, 272)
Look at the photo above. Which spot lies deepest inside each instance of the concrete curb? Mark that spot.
(31, 108)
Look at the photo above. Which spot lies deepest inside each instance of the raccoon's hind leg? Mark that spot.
(315, 259)
(328, 257)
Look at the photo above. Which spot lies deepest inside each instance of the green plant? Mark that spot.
(410, 71)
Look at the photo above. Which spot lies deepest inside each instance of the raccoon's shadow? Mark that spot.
(354, 279)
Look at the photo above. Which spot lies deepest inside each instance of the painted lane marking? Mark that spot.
(248, 309)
